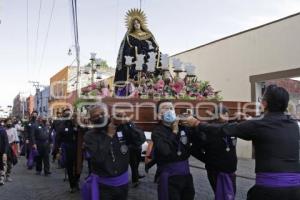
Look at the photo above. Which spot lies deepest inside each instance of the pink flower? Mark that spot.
(200, 97)
(93, 86)
(135, 94)
(159, 85)
(105, 92)
(195, 85)
(86, 89)
(178, 86)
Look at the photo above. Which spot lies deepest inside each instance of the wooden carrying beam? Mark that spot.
(143, 112)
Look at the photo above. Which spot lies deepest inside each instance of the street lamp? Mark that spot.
(93, 69)
(93, 66)
(99, 75)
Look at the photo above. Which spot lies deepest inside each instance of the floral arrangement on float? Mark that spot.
(99, 89)
(179, 83)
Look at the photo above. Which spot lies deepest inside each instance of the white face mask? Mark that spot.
(169, 116)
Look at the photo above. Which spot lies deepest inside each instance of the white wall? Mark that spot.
(229, 63)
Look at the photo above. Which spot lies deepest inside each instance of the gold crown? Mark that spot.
(133, 14)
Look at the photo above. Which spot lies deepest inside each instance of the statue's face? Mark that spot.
(136, 24)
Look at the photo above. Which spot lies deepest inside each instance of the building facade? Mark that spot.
(59, 85)
(5, 112)
(240, 64)
(19, 106)
(42, 98)
(30, 105)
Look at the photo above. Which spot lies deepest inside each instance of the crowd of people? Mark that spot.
(111, 143)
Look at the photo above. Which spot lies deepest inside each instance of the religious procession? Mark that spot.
(220, 121)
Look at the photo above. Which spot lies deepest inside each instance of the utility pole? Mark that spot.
(37, 86)
(23, 103)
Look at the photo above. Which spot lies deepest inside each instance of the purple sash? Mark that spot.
(30, 162)
(278, 179)
(165, 171)
(90, 189)
(224, 189)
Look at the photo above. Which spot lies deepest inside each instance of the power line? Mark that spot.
(77, 47)
(46, 38)
(37, 33)
(27, 37)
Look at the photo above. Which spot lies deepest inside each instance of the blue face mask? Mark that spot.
(169, 116)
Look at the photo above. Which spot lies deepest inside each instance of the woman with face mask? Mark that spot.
(171, 152)
(13, 141)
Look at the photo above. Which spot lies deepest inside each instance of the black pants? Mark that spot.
(43, 158)
(181, 187)
(134, 161)
(71, 165)
(113, 193)
(1, 162)
(213, 178)
(27, 150)
(264, 193)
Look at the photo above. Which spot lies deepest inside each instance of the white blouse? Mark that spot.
(12, 135)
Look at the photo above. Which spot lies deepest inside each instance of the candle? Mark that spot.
(139, 62)
(151, 61)
(190, 69)
(177, 64)
(165, 61)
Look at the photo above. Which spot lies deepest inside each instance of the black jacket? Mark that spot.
(169, 147)
(3, 141)
(27, 129)
(40, 134)
(66, 132)
(218, 152)
(275, 138)
(110, 156)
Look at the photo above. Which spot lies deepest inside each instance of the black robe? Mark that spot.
(131, 46)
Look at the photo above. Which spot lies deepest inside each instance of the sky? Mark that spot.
(177, 25)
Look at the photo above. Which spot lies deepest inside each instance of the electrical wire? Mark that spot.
(46, 38)
(77, 47)
(37, 33)
(27, 41)
(27, 37)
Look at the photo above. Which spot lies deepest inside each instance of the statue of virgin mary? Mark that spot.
(138, 40)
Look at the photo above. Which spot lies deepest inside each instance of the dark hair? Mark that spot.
(66, 110)
(35, 112)
(277, 98)
(161, 102)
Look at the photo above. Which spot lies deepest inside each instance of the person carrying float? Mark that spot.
(172, 147)
(107, 144)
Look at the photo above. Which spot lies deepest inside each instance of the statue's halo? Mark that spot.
(133, 14)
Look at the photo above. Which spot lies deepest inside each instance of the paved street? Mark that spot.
(28, 186)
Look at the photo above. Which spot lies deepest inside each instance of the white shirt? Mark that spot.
(19, 128)
(12, 135)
